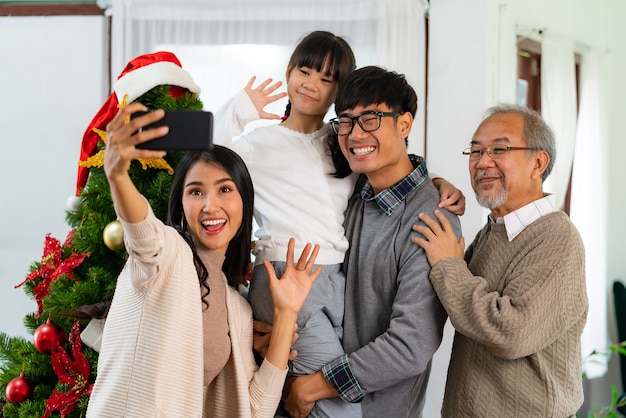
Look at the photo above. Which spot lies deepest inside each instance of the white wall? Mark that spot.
(457, 85)
(612, 36)
(52, 72)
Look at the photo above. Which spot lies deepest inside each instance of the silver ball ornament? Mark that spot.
(74, 203)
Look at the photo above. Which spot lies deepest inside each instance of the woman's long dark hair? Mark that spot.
(237, 258)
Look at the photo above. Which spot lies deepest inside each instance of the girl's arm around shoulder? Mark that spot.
(451, 198)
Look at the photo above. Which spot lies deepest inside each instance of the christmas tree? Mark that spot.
(52, 374)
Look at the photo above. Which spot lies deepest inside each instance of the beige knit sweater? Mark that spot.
(519, 311)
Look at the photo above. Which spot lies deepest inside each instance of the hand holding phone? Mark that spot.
(189, 130)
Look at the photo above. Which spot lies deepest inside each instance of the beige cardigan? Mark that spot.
(151, 362)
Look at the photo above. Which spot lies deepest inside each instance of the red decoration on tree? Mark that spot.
(53, 266)
(19, 389)
(73, 373)
(47, 336)
(69, 238)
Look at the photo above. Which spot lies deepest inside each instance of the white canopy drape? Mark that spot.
(588, 207)
(581, 154)
(388, 33)
(558, 106)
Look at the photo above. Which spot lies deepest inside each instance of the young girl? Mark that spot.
(178, 336)
(299, 193)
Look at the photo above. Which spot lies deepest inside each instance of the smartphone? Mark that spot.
(190, 130)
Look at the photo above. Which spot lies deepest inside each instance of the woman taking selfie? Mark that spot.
(178, 336)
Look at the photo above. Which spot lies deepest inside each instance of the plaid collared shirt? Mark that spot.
(391, 197)
(339, 375)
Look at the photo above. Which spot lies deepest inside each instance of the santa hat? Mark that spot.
(139, 76)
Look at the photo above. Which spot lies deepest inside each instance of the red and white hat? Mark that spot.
(139, 76)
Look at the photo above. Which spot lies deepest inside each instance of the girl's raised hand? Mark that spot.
(262, 95)
(290, 292)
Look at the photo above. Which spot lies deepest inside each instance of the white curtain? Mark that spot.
(388, 33)
(589, 209)
(558, 106)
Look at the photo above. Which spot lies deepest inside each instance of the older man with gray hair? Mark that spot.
(517, 298)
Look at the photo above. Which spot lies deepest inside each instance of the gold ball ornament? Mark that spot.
(113, 235)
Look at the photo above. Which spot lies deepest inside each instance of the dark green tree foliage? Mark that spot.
(69, 300)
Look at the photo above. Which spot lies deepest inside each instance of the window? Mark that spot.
(529, 74)
(529, 84)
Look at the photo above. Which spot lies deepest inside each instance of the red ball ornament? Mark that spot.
(19, 389)
(47, 336)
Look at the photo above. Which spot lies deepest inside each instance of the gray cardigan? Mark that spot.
(393, 320)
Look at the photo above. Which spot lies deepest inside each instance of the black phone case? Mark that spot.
(188, 131)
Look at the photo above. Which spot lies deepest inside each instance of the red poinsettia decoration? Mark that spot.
(74, 373)
(53, 266)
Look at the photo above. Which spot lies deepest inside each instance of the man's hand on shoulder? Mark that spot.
(439, 240)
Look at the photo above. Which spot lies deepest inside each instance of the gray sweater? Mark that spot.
(393, 319)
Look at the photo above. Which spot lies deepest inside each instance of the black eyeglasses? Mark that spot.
(494, 151)
(368, 121)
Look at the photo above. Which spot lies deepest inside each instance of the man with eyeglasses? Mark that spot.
(393, 320)
(518, 298)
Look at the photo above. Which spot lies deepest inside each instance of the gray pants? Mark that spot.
(319, 328)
